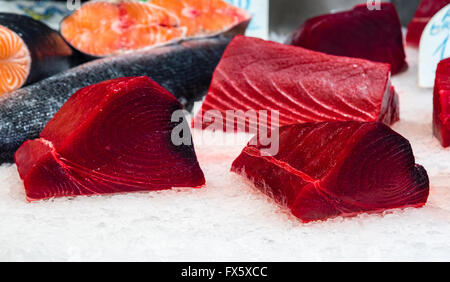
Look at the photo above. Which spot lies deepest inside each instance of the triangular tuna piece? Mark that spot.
(427, 9)
(441, 103)
(110, 137)
(374, 35)
(324, 170)
(303, 85)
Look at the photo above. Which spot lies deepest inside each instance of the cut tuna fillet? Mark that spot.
(185, 70)
(303, 85)
(329, 169)
(427, 9)
(441, 103)
(361, 33)
(110, 137)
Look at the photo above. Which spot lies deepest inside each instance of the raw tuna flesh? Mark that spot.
(328, 169)
(303, 85)
(427, 9)
(361, 33)
(441, 103)
(184, 69)
(110, 137)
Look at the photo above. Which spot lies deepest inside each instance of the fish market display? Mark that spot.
(29, 51)
(102, 28)
(184, 70)
(111, 137)
(329, 169)
(427, 9)
(303, 85)
(374, 35)
(441, 103)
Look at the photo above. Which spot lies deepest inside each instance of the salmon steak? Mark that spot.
(29, 51)
(441, 103)
(301, 85)
(374, 35)
(426, 10)
(102, 28)
(327, 169)
(111, 137)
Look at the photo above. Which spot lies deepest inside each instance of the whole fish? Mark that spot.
(183, 69)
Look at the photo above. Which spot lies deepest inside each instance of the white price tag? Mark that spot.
(434, 46)
(259, 10)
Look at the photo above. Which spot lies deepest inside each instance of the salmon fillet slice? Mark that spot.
(103, 28)
(15, 61)
(204, 17)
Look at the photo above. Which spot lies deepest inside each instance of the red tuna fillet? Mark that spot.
(427, 9)
(329, 169)
(110, 137)
(441, 103)
(361, 33)
(303, 85)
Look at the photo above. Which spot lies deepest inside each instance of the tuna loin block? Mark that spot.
(374, 35)
(303, 85)
(441, 103)
(426, 10)
(110, 137)
(330, 169)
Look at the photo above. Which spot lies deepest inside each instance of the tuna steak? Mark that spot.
(329, 169)
(111, 137)
(427, 9)
(184, 70)
(303, 85)
(361, 33)
(441, 103)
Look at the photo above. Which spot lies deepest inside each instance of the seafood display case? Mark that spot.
(235, 130)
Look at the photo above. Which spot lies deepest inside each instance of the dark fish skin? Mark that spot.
(184, 69)
(50, 54)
